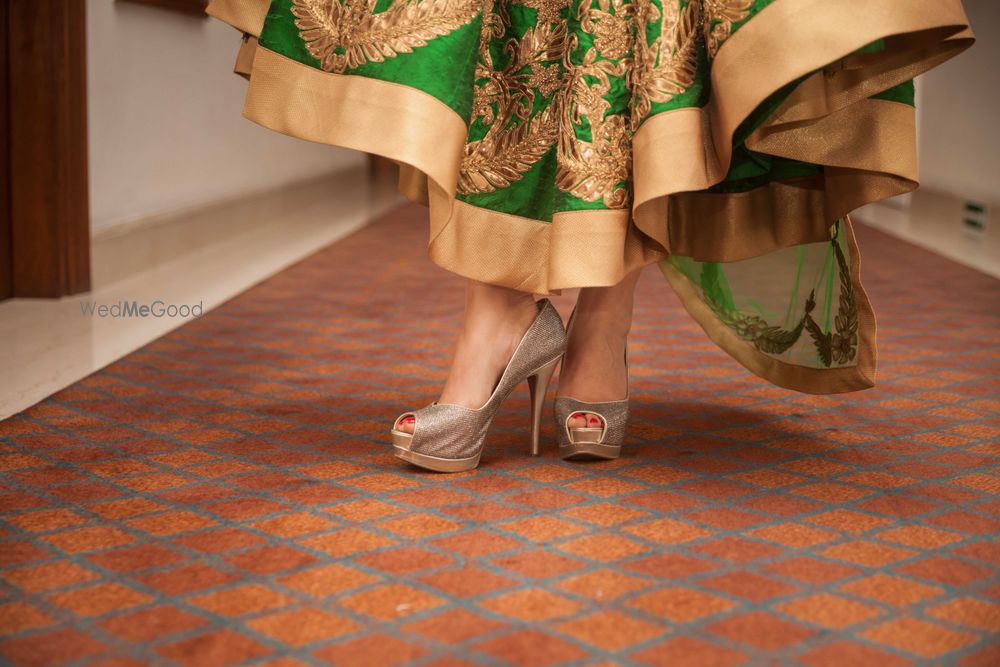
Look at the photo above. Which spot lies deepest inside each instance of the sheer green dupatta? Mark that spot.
(797, 316)
(765, 259)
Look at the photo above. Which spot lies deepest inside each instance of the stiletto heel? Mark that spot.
(450, 438)
(604, 441)
(538, 384)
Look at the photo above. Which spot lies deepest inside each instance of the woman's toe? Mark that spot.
(406, 424)
(577, 420)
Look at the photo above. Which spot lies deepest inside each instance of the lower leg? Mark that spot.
(494, 323)
(594, 368)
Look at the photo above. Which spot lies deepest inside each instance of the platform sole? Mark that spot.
(589, 450)
(400, 443)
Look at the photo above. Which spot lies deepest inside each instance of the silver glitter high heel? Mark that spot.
(603, 442)
(450, 438)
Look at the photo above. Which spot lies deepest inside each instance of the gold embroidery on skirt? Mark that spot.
(520, 132)
(342, 34)
(720, 15)
(549, 11)
(598, 169)
(516, 139)
(667, 67)
(612, 31)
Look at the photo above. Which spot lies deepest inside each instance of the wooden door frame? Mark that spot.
(6, 254)
(44, 127)
(44, 198)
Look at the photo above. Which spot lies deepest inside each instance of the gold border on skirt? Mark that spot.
(923, 34)
(245, 56)
(244, 15)
(415, 129)
(427, 137)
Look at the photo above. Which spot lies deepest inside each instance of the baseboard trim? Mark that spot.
(127, 248)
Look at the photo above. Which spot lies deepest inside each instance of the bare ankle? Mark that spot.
(495, 321)
(490, 310)
(484, 294)
(608, 309)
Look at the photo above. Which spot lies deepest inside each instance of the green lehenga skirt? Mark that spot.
(564, 143)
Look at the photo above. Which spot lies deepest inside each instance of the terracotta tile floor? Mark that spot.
(226, 494)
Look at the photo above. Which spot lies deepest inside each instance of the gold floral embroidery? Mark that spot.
(521, 131)
(516, 139)
(486, 93)
(720, 15)
(548, 11)
(667, 67)
(546, 78)
(598, 169)
(343, 34)
(612, 31)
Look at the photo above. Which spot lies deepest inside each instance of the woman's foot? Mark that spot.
(594, 368)
(495, 321)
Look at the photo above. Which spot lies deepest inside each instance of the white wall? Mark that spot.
(959, 111)
(165, 126)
